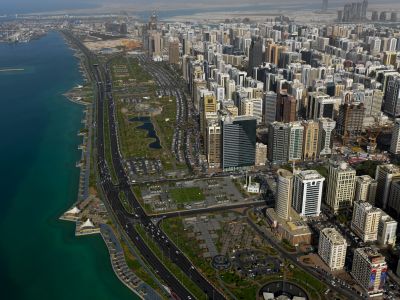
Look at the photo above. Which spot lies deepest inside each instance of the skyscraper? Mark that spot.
(369, 270)
(270, 108)
(324, 5)
(394, 197)
(325, 141)
(310, 140)
(278, 141)
(238, 142)
(307, 193)
(213, 144)
(341, 185)
(395, 142)
(255, 54)
(384, 176)
(208, 110)
(392, 96)
(332, 248)
(295, 141)
(365, 221)
(284, 190)
(173, 52)
(285, 107)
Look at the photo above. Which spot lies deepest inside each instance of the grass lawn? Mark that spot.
(186, 195)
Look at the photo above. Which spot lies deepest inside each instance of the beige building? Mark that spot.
(341, 186)
(213, 144)
(370, 270)
(208, 110)
(365, 189)
(261, 154)
(332, 248)
(173, 52)
(284, 190)
(365, 221)
(310, 139)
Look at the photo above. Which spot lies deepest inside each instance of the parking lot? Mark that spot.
(218, 191)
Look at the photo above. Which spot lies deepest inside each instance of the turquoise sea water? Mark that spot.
(40, 258)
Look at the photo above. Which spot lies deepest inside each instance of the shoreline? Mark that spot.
(74, 214)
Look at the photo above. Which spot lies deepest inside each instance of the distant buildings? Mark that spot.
(332, 248)
(353, 12)
(173, 52)
(369, 270)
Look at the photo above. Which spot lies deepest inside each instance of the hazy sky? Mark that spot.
(23, 6)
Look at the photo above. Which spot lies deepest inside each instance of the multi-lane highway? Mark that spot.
(127, 221)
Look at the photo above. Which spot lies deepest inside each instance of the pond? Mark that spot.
(151, 132)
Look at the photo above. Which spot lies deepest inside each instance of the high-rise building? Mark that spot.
(310, 140)
(376, 106)
(341, 186)
(238, 142)
(307, 193)
(173, 52)
(213, 144)
(387, 230)
(393, 16)
(365, 189)
(384, 176)
(255, 54)
(270, 108)
(332, 248)
(325, 141)
(273, 53)
(395, 142)
(390, 57)
(350, 121)
(392, 96)
(324, 5)
(369, 270)
(296, 134)
(394, 197)
(208, 110)
(278, 141)
(261, 154)
(320, 105)
(365, 221)
(284, 190)
(285, 107)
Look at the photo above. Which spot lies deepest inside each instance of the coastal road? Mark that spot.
(104, 97)
(140, 216)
